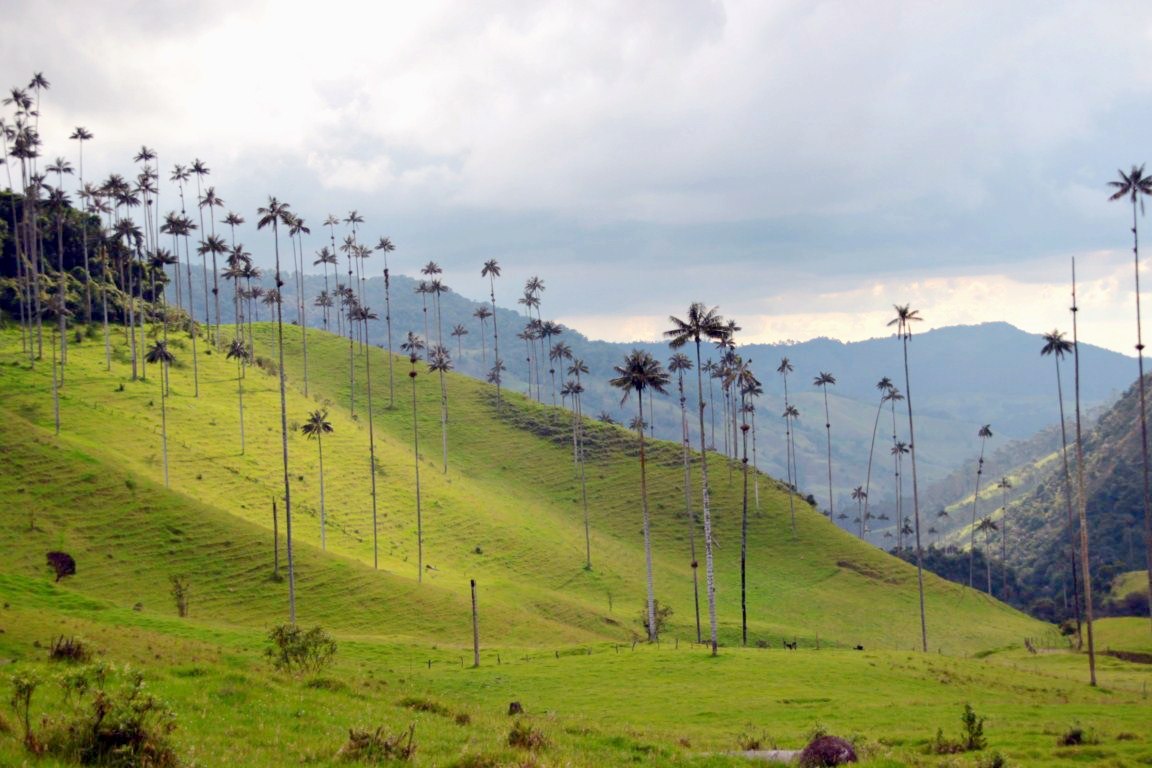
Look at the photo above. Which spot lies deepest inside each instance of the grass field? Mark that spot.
(507, 512)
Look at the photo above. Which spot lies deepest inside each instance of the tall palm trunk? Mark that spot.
(652, 634)
(388, 324)
(744, 538)
(416, 464)
(706, 508)
(284, 433)
(975, 501)
(685, 453)
(1143, 404)
(371, 445)
(868, 475)
(915, 500)
(1068, 497)
(1081, 496)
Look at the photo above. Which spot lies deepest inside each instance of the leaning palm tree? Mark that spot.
(414, 345)
(491, 271)
(1135, 185)
(984, 433)
(238, 351)
(678, 364)
(701, 323)
(822, 381)
(1056, 345)
(905, 316)
(640, 371)
(316, 427)
(275, 214)
(160, 354)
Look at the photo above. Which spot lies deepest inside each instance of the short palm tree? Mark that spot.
(884, 385)
(238, 351)
(859, 495)
(640, 372)
(984, 433)
(905, 316)
(414, 345)
(316, 427)
(440, 363)
(459, 331)
(822, 381)
(1135, 185)
(899, 451)
(160, 353)
(1056, 345)
(701, 323)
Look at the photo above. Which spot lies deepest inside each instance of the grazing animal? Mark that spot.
(790, 646)
(62, 563)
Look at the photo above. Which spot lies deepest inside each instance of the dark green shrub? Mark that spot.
(827, 751)
(69, 649)
(973, 736)
(295, 651)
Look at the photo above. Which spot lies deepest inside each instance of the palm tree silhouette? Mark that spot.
(1081, 494)
(784, 369)
(315, 427)
(744, 382)
(905, 316)
(159, 353)
(82, 135)
(491, 271)
(440, 362)
(459, 331)
(884, 385)
(984, 433)
(482, 313)
(277, 213)
(1056, 345)
(639, 372)
(238, 351)
(899, 450)
(385, 246)
(1135, 185)
(822, 381)
(859, 495)
(414, 345)
(700, 324)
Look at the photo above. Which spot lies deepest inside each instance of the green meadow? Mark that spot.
(561, 639)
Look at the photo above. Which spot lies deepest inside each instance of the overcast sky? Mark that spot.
(803, 165)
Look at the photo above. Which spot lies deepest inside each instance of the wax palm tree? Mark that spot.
(822, 381)
(296, 231)
(893, 396)
(1081, 494)
(315, 427)
(491, 271)
(1135, 185)
(363, 314)
(386, 246)
(884, 385)
(640, 372)
(482, 314)
(560, 351)
(459, 331)
(984, 433)
(238, 351)
(159, 353)
(900, 449)
(784, 369)
(577, 369)
(987, 526)
(1056, 345)
(1004, 485)
(744, 382)
(859, 495)
(678, 364)
(275, 214)
(440, 362)
(82, 135)
(324, 257)
(905, 316)
(414, 345)
(701, 324)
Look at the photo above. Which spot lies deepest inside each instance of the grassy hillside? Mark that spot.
(507, 512)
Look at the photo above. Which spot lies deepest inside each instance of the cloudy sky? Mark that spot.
(804, 165)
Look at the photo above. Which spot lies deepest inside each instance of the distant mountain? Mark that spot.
(962, 377)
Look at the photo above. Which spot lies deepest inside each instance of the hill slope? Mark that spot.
(507, 513)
